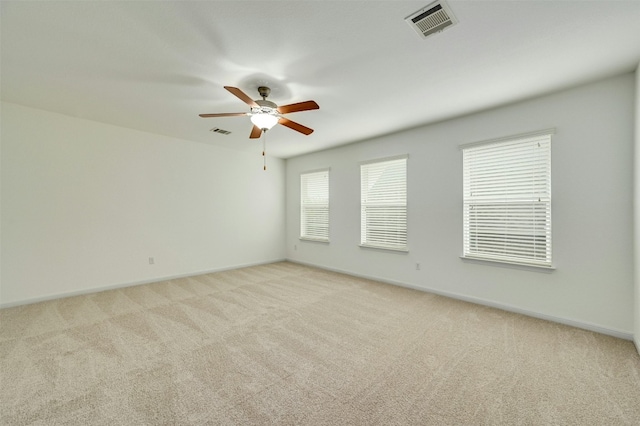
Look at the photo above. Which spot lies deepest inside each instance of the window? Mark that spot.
(383, 204)
(314, 205)
(507, 200)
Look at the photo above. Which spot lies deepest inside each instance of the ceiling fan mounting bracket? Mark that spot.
(264, 91)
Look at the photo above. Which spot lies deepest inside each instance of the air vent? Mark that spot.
(431, 19)
(221, 131)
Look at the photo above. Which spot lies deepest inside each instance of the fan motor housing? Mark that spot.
(266, 104)
(266, 107)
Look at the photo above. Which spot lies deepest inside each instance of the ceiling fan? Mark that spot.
(266, 114)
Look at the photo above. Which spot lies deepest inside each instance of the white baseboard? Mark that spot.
(129, 284)
(479, 301)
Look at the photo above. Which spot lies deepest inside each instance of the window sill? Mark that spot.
(508, 264)
(314, 240)
(399, 250)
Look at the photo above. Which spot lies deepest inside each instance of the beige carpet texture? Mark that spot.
(286, 344)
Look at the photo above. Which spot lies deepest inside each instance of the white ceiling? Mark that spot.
(154, 66)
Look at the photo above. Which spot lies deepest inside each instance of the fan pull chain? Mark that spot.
(264, 149)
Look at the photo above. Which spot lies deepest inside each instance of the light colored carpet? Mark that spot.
(288, 344)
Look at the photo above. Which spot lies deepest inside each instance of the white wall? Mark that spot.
(85, 204)
(637, 213)
(592, 207)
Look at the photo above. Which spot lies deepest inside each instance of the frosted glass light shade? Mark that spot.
(264, 120)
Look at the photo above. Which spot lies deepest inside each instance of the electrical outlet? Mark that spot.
(417, 266)
(151, 261)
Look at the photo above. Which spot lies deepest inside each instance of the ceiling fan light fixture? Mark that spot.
(266, 114)
(264, 121)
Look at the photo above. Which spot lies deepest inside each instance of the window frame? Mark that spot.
(324, 205)
(523, 207)
(365, 205)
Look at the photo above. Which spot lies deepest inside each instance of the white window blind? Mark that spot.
(383, 201)
(507, 200)
(314, 205)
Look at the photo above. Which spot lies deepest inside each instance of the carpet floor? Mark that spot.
(286, 344)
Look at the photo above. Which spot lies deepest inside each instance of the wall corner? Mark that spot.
(636, 214)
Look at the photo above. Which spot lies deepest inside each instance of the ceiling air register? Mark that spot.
(431, 19)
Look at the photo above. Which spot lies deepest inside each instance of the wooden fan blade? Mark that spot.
(224, 114)
(295, 126)
(255, 132)
(242, 96)
(300, 106)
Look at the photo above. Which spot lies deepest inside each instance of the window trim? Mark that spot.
(524, 264)
(302, 205)
(508, 264)
(551, 131)
(405, 248)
